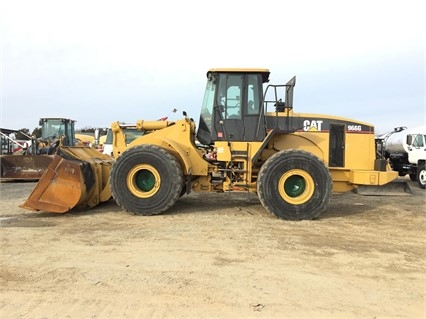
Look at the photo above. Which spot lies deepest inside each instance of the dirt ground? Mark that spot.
(214, 256)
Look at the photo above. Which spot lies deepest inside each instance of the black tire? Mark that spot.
(294, 185)
(421, 176)
(413, 177)
(146, 180)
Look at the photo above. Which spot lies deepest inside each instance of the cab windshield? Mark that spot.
(208, 102)
(53, 129)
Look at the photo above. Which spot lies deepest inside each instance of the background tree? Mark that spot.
(23, 134)
(37, 132)
(87, 130)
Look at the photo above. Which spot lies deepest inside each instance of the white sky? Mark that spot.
(103, 61)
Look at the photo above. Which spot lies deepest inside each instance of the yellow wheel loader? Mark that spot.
(33, 162)
(248, 139)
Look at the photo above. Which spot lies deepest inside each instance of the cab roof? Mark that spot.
(265, 72)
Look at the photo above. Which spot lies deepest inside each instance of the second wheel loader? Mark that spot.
(33, 162)
(249, 139)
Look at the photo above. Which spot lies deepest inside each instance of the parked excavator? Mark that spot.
(248, 140)
(31, 164)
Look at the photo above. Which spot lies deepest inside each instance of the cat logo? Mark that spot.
(312, 126)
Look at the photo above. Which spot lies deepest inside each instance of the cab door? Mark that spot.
(238, 108)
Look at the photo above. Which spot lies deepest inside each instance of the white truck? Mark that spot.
(130, 132)
(406, 151)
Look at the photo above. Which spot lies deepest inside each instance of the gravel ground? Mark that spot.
(214, 256)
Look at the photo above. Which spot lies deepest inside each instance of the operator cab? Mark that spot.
(55, 131)
(232, 106)
(55, 128)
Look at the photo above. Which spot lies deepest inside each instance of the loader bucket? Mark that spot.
(77, 178)
(394, 188)
(23, 167)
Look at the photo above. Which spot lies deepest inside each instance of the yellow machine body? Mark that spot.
(179, 138)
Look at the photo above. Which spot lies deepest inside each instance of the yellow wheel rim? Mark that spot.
(143, 181)
(296, 186)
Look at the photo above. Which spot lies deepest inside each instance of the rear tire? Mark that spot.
(294, 185)
(146, 180)
(421, 176)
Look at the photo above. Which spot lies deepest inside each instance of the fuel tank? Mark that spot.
(397, 142)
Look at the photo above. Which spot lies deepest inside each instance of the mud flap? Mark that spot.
(394, 188)
(23, 167)
(77, 178)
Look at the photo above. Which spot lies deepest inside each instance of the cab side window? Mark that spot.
(418, 141)
(252, 95)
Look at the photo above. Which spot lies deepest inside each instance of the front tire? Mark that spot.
(421, 176)
(146, 180)
(294, 185)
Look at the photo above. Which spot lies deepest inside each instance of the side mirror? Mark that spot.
(409, 140)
